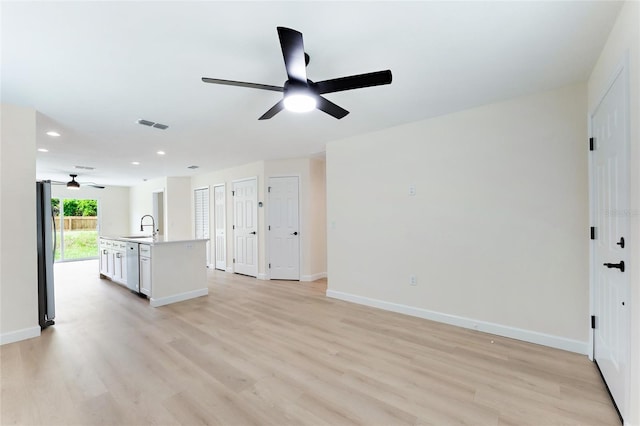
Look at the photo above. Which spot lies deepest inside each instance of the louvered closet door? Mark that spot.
(201, 208)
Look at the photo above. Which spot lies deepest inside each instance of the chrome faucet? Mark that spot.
(153, 223)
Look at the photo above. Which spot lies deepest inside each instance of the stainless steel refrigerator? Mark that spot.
(46, 253)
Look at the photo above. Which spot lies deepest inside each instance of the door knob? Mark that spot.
(253, 233)
(295, 233)
(616, 265)
(621, 242)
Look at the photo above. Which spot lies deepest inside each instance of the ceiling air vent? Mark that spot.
(145, 122)
(152, 124)
(85, 167)
(193, 167)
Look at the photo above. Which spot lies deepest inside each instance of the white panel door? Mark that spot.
(219, 213)
(284, 229)
(610, 190)
(245, 227)
(201, 208)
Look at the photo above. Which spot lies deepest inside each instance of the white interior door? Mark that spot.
(219, 217)
(245, 227)
(610, 192)
(201, 209)
(284, 229)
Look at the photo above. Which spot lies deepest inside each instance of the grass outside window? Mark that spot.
(78, 244)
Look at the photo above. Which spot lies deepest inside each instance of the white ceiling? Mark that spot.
(92, 69)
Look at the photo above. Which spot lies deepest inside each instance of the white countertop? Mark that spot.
(153, 241)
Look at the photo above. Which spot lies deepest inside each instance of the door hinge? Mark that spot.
(269, 189)
(233, 193)
(592, 144)
(593, 321)
(269, 227)
(593, 232)
(269, 266)
(233, 227)
(234, 260)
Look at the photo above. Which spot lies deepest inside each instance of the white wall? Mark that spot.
(497, 231)
(178, 211)
(141, 203)
(624, 39)
(113, 206)
(176, 203)
(318, 216)
(18, 247)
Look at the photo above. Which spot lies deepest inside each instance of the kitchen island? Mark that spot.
(166, 271)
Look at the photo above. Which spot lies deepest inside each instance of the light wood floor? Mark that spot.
(278, 353)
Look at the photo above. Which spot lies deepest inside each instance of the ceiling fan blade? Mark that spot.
(293, 53)
(331, 108)
(243, 84)
(94, 185)
(353, 82)
(273, 111)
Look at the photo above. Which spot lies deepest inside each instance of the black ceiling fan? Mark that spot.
(74, 184)
(301, 94)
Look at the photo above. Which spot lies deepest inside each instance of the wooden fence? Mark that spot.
(78, 223)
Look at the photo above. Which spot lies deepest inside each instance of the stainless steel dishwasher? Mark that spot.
(133, 267)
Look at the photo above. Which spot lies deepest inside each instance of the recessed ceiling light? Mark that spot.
(161, 153)
(43, 150)
(54, 134)
(135, 163)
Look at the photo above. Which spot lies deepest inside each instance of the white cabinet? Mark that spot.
(113, 260)
(120, 264)
(145, 269)
(104, 258)
(107, 264)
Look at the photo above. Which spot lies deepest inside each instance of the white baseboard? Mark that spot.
(18, 335)
(484, 326)
(211, 266)
(230, 268)
(161, 301)
(263, 277)
(313, 277)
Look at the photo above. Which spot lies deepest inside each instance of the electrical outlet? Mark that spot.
(412, 190)
(413, 280)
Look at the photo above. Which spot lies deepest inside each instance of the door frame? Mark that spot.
(622, 71)
(159, 211)
(233, 204)
(224, 212)
(300, 220)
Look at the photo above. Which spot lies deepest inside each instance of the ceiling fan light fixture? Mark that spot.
(300, 102)
(73, 184)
